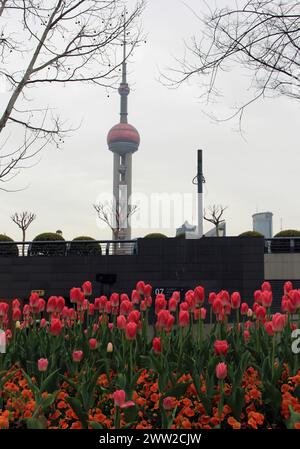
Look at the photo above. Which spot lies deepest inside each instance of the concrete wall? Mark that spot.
(282, 266)
(232, 263)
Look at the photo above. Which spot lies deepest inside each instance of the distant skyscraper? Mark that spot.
(263, 223)
(123, 140)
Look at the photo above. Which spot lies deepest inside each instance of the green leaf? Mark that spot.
(78, 410)
(37, 423)
(95, 425)
(177, 391)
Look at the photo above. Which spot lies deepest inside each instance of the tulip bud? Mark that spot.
(110, 347)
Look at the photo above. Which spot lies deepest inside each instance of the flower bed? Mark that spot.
(207, 363)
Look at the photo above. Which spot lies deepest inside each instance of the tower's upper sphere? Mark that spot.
(123, 138)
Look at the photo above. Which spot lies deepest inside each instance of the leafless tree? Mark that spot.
(112, 216)
(261, 36)
(51, 43)
(214, 216)
(23, 220)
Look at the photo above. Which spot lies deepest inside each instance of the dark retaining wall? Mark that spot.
(232, 263)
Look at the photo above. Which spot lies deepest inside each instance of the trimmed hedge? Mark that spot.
(42, 249)
(288, 233)
(155, 235)
(90, 248)
(8, 249)
(251, 234)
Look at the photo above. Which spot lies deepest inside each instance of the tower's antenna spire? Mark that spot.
(124, 88)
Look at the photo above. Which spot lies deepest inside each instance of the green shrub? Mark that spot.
(53, 249)
(155, 235)
(180, 236)
(90, 248)
(8, 249)
(251, 234)
(288, 233)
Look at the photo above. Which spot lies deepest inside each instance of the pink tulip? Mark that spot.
(279, 322)
(169, 403)
(119, 397)
(184, 318)
(43, 365)
(221, 371)
(130, 331)
(77, 356)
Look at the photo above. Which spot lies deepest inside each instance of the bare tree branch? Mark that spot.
(61, 41)
(215, 216)
(262, 36)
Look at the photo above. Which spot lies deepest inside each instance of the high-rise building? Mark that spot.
(123, 140)
(263, 223)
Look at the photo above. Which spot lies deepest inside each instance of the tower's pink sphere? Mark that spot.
(123, 132)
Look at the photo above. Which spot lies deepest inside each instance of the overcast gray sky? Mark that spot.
(255, 174)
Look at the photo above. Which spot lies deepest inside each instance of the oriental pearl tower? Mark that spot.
(123, 140)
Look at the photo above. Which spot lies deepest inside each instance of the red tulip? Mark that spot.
(77, 356)
(134, 316)
(93, 343)
(212, 296)
(75, 295)
(126, 307)
(221, 371)
(16, 314)
(217, 306)
(184, 306)
(43, 322)
(130, 330)
(114, 299)
(184, 318)
(56, 327)
(91, 309)
(258, 296)
(160, 303)
(260, 313)
(140, 287)
(51, 304)
(221, 347)
(235, 300)
(121, 322)
(244, 308)
(156, 344)
(266, 298)
(143, 305)
(279, 322)
(60, 304)
(246, 335)
(199, 295)
(147, 290)
(87, 288)
(266, 286)
(135, 297)
(269, 328)
(288, 286)
(15, 304)
(119, 397)
(172, 304)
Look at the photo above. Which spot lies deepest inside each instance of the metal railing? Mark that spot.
(282, 245)
(68, 248)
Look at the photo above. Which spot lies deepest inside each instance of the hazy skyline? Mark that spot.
(256, 173)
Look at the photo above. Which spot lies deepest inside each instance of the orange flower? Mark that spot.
(76, 425)
(233, 423)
